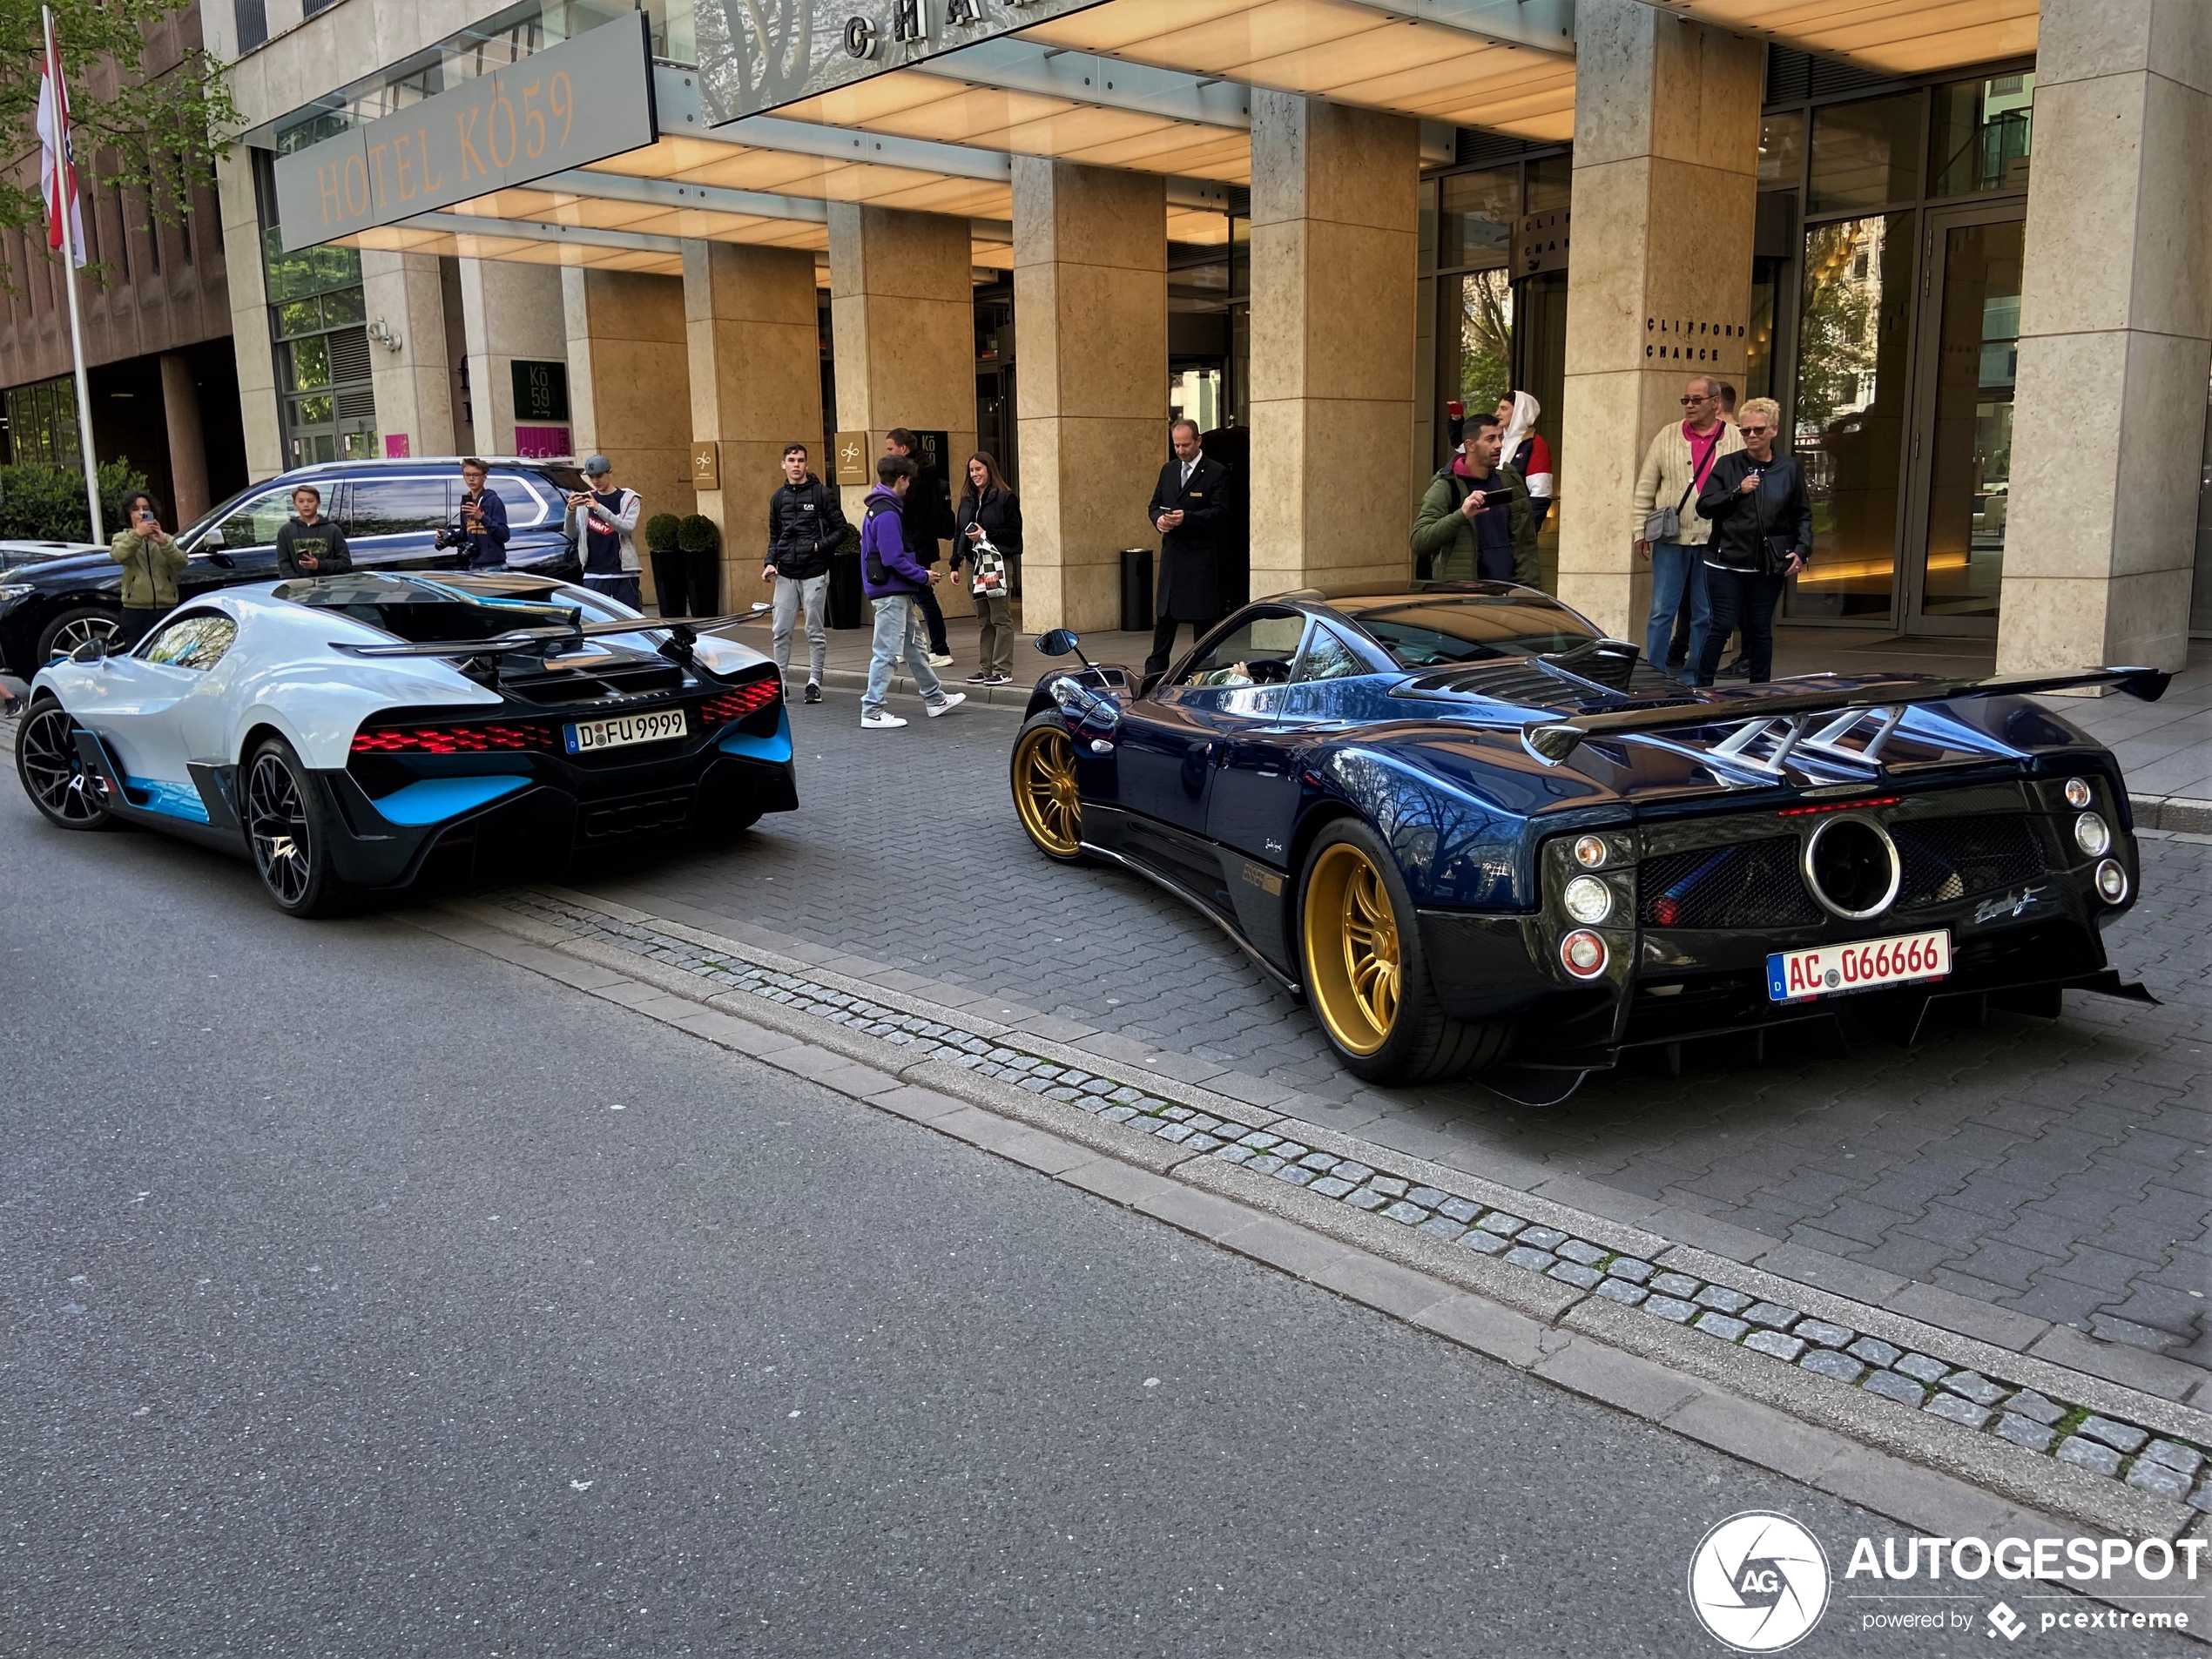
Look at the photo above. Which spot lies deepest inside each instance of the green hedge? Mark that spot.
(696, 534)
(39, 503)
(661, 531)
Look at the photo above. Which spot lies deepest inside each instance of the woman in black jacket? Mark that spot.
(1762, 536)
(989, 511)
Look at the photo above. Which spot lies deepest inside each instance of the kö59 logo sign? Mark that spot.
(1759, 1581)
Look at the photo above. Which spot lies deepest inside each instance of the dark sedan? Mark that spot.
(390, 510)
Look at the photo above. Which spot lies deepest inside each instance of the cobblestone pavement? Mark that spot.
(2058, 1171)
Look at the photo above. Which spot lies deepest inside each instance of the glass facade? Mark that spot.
(1885, 318)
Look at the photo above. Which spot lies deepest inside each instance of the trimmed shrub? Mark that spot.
(696, 534)
(39, 503)
(661, 531)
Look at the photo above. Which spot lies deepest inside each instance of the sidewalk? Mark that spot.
(2164, 748)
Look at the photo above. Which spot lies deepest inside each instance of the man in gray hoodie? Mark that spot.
(603, 519)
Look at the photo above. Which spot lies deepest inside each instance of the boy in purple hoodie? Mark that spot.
(890, 577)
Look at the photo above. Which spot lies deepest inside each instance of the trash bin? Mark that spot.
(846, 608)
(1136, 590)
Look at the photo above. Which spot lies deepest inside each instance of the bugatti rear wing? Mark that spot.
(1840, 711)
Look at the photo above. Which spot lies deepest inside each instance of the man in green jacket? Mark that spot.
(151, 562)
(1475, 522)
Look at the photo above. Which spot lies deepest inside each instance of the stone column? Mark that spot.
(2116, 321)
(1335, 223)
(412, 385)
(902, 314)
(188, 447)
(755, 355)
(1659, 285)
(1090, 301)
(630, 395)
(244, 274)
(508, 310)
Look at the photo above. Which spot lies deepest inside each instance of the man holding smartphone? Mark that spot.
(1475, 523)
(152, 562)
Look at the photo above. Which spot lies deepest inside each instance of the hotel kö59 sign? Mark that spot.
(584, 100)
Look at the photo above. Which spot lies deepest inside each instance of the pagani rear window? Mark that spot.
(1446, 632)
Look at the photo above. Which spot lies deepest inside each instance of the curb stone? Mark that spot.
(685, 987)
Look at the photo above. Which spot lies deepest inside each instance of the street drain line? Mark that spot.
(2102, 1445)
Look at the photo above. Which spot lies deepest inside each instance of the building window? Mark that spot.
(41, 423)
(1979, 132)
(1866, 153)
(252, 17)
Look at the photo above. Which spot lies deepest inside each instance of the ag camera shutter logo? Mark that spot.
(1758, 1581)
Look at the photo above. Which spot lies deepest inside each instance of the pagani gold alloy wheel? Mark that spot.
(1355, 968)
(1366, 972)
(1044, 788)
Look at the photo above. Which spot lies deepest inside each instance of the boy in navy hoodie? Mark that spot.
(890, 577)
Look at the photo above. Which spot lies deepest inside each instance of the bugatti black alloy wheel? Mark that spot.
(54, 774)
(290, 834)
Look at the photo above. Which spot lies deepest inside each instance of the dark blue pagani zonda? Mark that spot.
(1475, 833)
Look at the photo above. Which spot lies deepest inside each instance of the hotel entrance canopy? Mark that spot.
(920, 105)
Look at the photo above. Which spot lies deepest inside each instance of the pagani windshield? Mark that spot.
(1443, 632)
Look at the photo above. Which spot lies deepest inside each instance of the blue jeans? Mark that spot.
(1673, 567)
(892, 639)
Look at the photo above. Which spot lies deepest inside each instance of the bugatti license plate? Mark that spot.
(587, 736)
(1865, 965)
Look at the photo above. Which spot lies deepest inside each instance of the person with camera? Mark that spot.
(152, 562)
(1761, 516)
(1475, 522)
(602, 517)
(806, 525)
(308, 544)
(483, 531)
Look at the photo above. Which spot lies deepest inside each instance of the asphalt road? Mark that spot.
(345, 1313)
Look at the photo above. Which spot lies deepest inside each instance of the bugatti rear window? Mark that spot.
(1443, 633)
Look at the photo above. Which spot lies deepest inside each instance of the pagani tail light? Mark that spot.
(2112, 881)
(736, 704)
(470, 740)
(1583, 954)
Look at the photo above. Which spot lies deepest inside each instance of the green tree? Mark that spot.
(149, 138)
(1486, 339)
(1836, 339)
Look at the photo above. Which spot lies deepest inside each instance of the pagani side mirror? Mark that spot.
(1059, 642)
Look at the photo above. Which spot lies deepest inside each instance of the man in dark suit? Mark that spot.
(1186, 509)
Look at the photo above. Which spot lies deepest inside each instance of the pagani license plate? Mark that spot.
(588, 737)
(1864, 965)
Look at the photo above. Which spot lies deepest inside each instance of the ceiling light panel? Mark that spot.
(1900, 36)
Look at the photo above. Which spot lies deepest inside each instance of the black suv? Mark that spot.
(390, 510)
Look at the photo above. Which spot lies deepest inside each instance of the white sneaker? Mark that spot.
(945, 704)
(883, 720)
(941, 659)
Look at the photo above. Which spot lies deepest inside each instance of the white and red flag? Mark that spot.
(57, 161)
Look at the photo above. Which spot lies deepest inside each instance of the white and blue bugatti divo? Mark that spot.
(355, 733)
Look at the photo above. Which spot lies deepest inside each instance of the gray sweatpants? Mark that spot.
(791, 597)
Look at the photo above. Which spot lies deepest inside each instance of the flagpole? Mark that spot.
(76, 321)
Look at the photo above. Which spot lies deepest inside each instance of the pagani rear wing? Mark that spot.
(1840, 711)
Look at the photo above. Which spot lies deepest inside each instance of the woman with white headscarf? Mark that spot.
(1526, 452)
